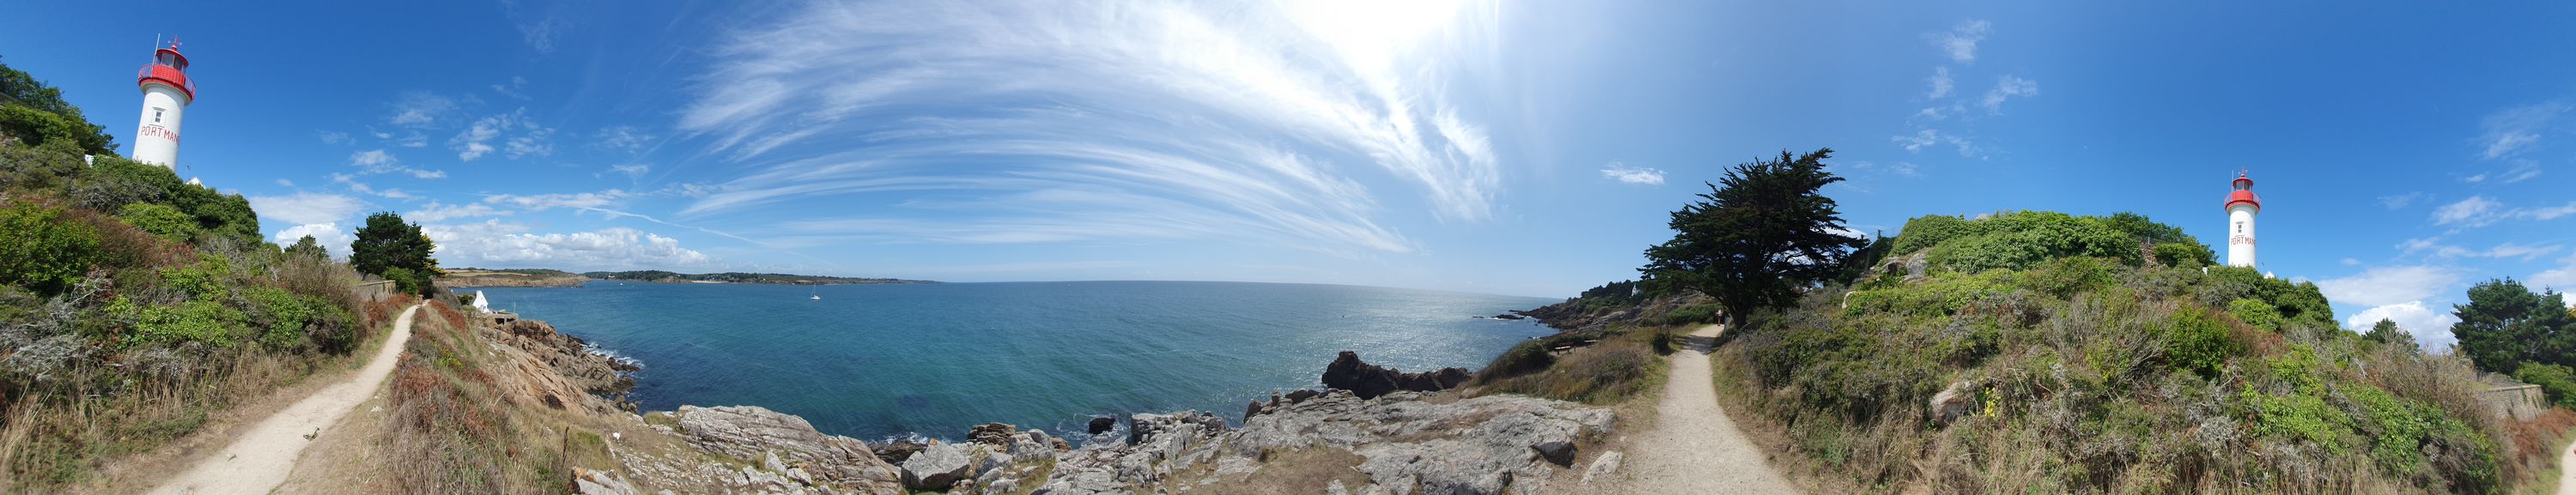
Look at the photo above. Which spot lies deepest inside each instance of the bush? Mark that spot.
(2199, 342)
(204, 322)
(2065, 277)
(160, 220)
(1693, 315)
(408, 281)
(2185, 254)
(1926, 231)
(2557, 381)
(207, 279)
(41, 251)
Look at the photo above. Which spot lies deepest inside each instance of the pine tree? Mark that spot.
(1763, 231)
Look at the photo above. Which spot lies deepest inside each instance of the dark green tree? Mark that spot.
(387, 244)
(35, 112)
(308, 247)
(2505, 324)
(1759, 234)
(2386, 332)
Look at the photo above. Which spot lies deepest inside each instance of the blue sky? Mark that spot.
(1524, 148)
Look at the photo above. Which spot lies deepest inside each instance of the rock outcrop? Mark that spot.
(1369, 381)
(569, 355)
(1481, 445)
(791, 456)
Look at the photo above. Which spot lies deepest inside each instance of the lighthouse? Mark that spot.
(166, 92)
(2242, 204)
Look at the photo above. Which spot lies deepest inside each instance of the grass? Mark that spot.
(1622, 365)
(455, 429)
(1291, 472)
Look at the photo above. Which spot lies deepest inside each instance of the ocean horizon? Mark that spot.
(884, 361)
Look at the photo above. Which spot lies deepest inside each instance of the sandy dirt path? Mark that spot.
(1694, 447)
(260, 460)
(2567, 471)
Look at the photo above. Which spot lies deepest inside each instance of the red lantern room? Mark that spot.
(170, 68)
(2243, 194)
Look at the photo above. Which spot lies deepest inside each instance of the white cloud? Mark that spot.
(2007, 87)
(1941, 84)
(542, 202)
(516, 88)
(306, 208)
(420, 109)
(333, 239)
(2401, 200)
(1628, 175)
(2514, 130)
(494, 244)
(2478, 211)
(2562, 278)
(2522, 170)
(2527, 253)
(1265, 118)
(2545, 213)
(414, 140)
(476, 140)
(2351, 262)
(632, 170)
(285, 183)
(437, 212)
(2475, 211)
(2381, 286)
(1960, 42)
(330, 137)
(2431, 328)
(622, 138)
(379, 162)
(1930, 137)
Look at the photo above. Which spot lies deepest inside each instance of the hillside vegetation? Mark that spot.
(2096, 355)
(135, 307)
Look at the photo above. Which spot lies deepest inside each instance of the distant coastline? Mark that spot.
(545, 277)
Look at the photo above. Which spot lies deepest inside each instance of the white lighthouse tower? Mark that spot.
(166, 92)
(2242, 204)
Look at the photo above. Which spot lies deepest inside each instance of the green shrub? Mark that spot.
(206, 322)
(2199, 342)
(40, 250)
(1926, 231)
(1693, 315)
(160, 220)
(207, 279)
(2065, 277)
(1941, 295)
(2185, 254)
(2257, 314)
(1662, 342)
(408, 281)
(1526, 357)
(2559, 382)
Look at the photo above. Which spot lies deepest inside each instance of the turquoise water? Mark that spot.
(879, 361)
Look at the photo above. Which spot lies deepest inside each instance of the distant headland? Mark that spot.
(547, 277)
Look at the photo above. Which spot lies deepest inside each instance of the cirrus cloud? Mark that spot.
(1253, 122)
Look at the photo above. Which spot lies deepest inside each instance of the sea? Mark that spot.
(930, 361)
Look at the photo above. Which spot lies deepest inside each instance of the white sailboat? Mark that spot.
(812, 295)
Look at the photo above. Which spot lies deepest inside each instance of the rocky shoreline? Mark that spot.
(1408, 433)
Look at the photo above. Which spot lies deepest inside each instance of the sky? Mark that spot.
(2403, 151)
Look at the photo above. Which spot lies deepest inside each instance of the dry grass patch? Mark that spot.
(1293, 471)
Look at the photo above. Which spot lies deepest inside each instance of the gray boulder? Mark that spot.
(936, 467)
